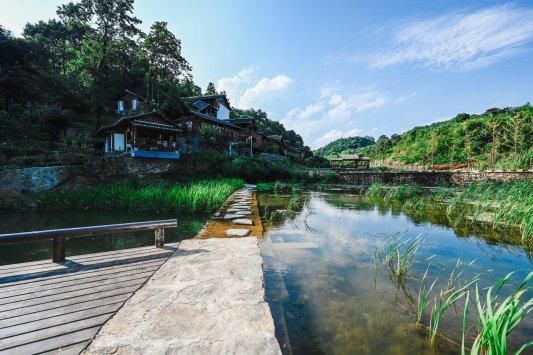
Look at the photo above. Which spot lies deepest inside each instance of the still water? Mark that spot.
(328, 295)
(24, 221)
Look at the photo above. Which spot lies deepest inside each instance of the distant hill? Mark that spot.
(344, 146)
(497, 138)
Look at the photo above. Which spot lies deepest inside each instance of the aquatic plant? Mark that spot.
(159, 196)
(445, 300)
(423, 297)
(498, 320)
(398, 254)
(498, 205)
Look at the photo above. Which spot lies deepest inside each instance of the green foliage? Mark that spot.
(345, 146)
(211, 89)
(157, 197)
(504, 204)
(498, 138)
(499, 319)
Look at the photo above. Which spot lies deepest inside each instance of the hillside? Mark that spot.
(344, 146)
(498, 138)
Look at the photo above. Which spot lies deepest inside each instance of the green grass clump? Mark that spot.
(398, 254)
(196, 196)
(498, 320)
(499, 205)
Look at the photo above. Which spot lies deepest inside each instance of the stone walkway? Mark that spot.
(208, 298)
(237, 218)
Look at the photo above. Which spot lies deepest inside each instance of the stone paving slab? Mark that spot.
(208, 298)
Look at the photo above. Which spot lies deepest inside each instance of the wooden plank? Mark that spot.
(68, 295)
(66, 302)
(37, 265)
(56, 312)
(74, 349)
(76, 281)
(39, 295)
(54, 343)
(58, 320)
(58, 280)
(17, 276)
(50, 332)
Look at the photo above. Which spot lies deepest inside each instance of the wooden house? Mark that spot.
(145, 135)
(216, 106)
(129, 103)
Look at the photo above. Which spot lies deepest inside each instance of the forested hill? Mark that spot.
(498, 138)
(344, 146)
(63, 75)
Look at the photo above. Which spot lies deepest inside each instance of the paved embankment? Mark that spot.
(207, 298)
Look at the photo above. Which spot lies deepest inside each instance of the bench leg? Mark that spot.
(58, 248)
(159, 238)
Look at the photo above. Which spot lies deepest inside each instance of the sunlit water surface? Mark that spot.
(327, 295)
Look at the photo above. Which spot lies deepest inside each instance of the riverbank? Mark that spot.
(499, 205)
(143, 195)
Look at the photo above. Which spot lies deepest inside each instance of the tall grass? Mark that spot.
(398, 254)
(498, 320)
(500, 205)
(197, 196)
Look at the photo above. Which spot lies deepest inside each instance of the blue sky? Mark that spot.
(331, 69)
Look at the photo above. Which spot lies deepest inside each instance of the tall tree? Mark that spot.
(111, 31)
(165, 62)
(211, 90)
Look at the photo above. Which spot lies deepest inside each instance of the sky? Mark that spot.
(332, 69)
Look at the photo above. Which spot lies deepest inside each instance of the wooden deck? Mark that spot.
(48, 308)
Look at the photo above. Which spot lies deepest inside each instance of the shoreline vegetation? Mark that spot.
(200, 196)
(498, 205)
(487, 323)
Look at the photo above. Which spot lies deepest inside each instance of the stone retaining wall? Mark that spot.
(17, 185)
(427, 178)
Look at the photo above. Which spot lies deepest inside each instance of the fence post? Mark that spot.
(159, 238)
(58, 250)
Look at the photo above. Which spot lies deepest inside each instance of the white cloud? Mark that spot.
(338, 115)
(307, 112)
(264, 90)
(406, 97)
(233, 85)
(458, 41)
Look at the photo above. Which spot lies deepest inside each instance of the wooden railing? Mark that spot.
(59, 236)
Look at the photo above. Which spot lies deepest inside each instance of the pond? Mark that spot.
(329, 295)
(31, 220)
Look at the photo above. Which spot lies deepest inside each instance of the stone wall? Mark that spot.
(427, 178)
(17, 185)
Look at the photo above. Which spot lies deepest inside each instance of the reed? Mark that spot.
(398, 254)
(499, 205)
(445, 300)
(158, 197)
(498, 319)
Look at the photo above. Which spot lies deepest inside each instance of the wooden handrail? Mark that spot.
(60, 235)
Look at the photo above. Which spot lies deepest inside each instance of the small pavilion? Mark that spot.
(350, 162)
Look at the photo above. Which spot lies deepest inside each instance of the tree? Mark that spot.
(165, 62)
(383, 144)
(211, 90)
(101, 58)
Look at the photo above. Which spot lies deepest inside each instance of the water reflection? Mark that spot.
(326, 296)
